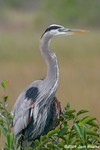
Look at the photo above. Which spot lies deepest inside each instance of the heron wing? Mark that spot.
(23, 108)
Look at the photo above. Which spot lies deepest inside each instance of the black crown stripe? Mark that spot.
(50, 28)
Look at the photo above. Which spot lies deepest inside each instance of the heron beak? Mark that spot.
(75, 31)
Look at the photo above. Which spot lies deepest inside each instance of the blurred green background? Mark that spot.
(21, 24)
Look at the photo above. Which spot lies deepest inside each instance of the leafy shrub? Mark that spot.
(75, 130)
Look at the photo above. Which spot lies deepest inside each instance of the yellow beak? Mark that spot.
(77, 31)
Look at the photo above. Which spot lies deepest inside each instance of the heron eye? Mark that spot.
(60, 29)
(68, 30)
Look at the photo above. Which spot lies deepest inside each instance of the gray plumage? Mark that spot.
(37, 108)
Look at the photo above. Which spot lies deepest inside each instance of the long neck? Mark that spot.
(51, 61)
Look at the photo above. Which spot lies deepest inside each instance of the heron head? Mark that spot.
(56, 30)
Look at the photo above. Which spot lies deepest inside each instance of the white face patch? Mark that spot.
(58, 32)
(52, 30)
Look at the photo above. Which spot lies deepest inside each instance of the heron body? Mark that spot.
(37, 108)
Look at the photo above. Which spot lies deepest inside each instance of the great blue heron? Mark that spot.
(37, 108)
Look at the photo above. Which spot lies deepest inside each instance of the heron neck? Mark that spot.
(51, 61)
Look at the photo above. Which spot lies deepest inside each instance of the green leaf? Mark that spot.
(83, 132)
(61, 145)
(72, 111)
(5, 98)
(86, 120)
(4, 83)
(52, 132)
(50, 145)
(91, 132)
(65, 124)
(93, 123)
(1, 105)
(36, 142)
(69, 114)
(74, 140)
(62, 131)
(81, 112)
(43, 138)
(68, 106)
(4, 130)
(62, 138)
(78, 130)
(10, 140)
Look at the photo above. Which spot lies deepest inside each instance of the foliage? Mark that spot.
(82, 12)
(75, 130)
(73, 11)
(6, 120)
